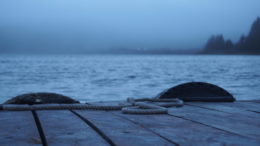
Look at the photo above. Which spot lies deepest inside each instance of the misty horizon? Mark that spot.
(101, 25)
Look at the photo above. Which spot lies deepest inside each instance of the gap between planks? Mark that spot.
(122, 131)
(233, 123)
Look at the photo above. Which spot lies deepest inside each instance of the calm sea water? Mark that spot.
(114, 77)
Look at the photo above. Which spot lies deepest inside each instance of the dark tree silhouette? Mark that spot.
(229, 44)
(218, 42)
(252, 41)
(247, 44)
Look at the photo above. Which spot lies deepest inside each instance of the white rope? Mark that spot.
(17, 107)
(153, 106)
(134, 106)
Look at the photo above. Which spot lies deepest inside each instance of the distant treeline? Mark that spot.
(13, 43)
(246, 45)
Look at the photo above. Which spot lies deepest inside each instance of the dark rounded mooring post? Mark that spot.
(198, 91)
(41, 98)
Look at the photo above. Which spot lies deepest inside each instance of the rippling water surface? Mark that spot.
(114, 77)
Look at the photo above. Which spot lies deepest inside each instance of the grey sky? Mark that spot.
(128, 23)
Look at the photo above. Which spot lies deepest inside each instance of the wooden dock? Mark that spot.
(195, 123)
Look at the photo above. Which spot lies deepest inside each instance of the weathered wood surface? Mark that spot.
(254, 101)
(18, 128)
(121, 131)
(193, 124)
(237, 124)
(242, 105)
(185, 132)
(250, 106)
(62, 127)
(224, 107)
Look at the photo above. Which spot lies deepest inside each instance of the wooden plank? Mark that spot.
(225, 107)
(250, 106)
(18, 128)
(241, 125)
(121, 131)
(244, 105)
(62, 127)
(185, 132)
(254, 100)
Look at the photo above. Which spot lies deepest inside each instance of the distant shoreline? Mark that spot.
(200, 52)
(231, 52)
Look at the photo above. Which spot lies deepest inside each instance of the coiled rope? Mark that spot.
(131, 106)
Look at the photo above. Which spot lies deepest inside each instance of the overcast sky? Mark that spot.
(127, 23)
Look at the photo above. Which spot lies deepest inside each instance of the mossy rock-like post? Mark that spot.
(198, 91)
(41, 98)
